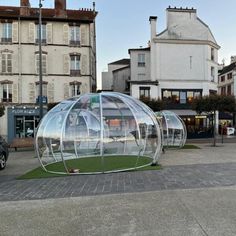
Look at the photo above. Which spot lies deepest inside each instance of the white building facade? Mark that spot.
(183, 65)
(68, 61)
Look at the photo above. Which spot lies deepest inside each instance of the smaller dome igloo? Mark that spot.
(97, 133)
(173, 129)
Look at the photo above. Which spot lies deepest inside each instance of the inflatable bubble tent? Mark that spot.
(98, 133)
(173, 129)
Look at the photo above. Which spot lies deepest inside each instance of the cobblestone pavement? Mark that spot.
(169, 178)
(182, 169)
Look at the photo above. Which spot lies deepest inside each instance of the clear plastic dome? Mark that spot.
(97, 133)
(173, 129)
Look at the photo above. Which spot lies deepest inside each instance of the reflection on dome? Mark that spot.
(173, 129)
(98, 130)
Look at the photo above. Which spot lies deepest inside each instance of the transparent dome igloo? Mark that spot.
(173, 129)
(98, 133)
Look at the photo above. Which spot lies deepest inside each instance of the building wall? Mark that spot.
(136, 70)
(121, 78)
(24, 77)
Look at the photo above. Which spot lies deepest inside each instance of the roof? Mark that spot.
(122, 68)
(124, 61)
(228, 68)
(48, 13)
(139, 49)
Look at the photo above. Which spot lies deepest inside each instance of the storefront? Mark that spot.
(198, 126)
(22, 121)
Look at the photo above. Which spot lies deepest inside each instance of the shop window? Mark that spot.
(141, 60)
(6, 32)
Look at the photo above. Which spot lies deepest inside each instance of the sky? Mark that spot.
(124, 24)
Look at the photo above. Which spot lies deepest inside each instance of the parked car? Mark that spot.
(3, 153)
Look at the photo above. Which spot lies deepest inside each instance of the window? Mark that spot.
(44, 63)
(180, 96)
(229, 89)
(144, 92)
(43, 33)
(141, 60)
(223, 90)
(212, 74)
(212, 54)
(222, 78)
(75, 89)
(229, 76)
(74, 35)
(44, 89)
(6, 63)
(75, 65)
(7, 32)
(7, 92)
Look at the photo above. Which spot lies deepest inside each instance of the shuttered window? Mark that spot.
(74, 90)
(44, 64)
(43, 33)
(74, 35)
(6, 92)
(75, 65)
(7, 32)
(6, 63)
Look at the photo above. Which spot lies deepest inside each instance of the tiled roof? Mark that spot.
(81, 14)
(228, 68)
(124, 61)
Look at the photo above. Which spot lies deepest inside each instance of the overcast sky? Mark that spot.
(124, 24)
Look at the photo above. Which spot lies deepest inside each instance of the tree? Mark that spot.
(213, 103)
(154, 104)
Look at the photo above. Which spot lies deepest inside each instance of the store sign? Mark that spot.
(24, 111)
(200, 117)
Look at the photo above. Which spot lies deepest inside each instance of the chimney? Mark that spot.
(24, 8)
(60, 8)
(153, 21)
(232, 59)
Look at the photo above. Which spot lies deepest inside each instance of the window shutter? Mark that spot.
(66, 64)
(37, 64)
(66, 34)
(51, 92)
(15, 32)
(31, 91)
(49, 33)
(84, 64)
(31, 32)
(1, 62)
(15, 93)
(83, 35)
(66, 91)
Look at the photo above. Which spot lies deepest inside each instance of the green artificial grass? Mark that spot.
(190, 146)
(91, 164)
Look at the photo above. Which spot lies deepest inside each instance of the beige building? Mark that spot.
(68, 61)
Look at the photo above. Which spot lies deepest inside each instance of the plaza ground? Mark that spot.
(194, 194)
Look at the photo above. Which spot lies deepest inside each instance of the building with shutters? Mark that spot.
(68, 61)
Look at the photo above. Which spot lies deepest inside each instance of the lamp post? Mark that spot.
(40, 98)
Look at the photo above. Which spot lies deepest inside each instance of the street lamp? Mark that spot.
(40, 98)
